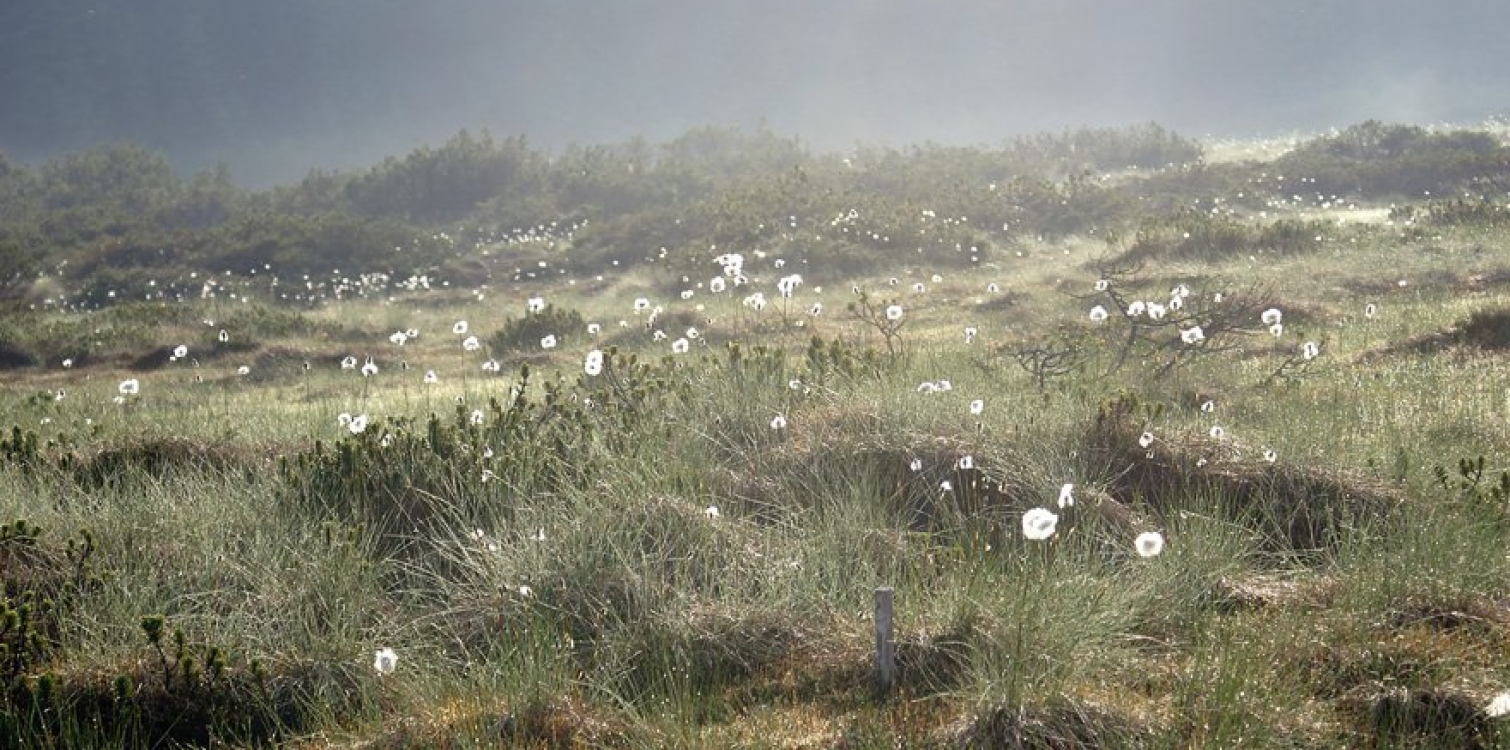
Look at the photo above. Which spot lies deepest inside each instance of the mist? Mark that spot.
(276, 88)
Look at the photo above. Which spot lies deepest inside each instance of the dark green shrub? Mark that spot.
(1375, 159)
(524, 334)
(1196, 235)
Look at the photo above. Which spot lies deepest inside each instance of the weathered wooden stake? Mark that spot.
(886, 647)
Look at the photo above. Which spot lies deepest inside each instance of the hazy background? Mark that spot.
(275, 87)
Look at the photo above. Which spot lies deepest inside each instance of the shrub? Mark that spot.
(1375, 159)
(524, 334)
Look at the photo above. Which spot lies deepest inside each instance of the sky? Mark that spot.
(273, 88)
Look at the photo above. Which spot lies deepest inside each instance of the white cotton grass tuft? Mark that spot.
(1098, 314)
(1310, 350)
(977, 406)
(894, 312)
(1271, 316)
(1499, 706)
(778, 422)
(1067, 495)
(1149, 544)
(1039, 524)
(1193, 335)
(385, 661)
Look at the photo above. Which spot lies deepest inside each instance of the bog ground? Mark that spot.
(1159, 443)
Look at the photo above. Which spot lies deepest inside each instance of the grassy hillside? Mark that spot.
(614, 447)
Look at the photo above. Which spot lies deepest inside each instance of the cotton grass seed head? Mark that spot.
(1149, 544)
(1039, 524)
(1499, 706)
(385, 661)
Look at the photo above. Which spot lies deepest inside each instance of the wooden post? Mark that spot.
(886, 647)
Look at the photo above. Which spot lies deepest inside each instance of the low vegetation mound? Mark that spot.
(1297, 508)
(1375, 159)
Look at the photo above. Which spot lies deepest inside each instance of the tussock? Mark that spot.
(1060, 725)
(1297, 508)
(1485, 331)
